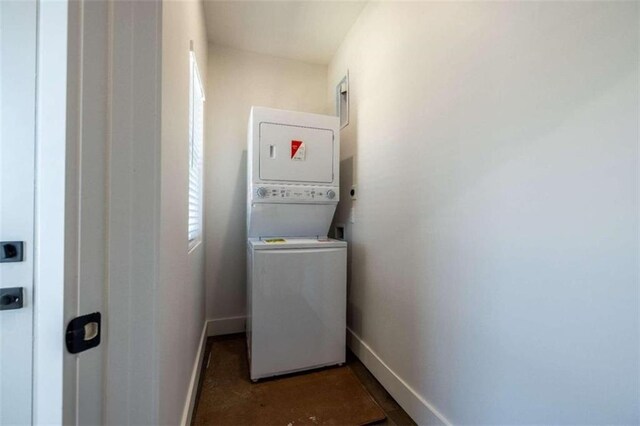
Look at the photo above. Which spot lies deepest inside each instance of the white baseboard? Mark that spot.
(229, 325)
(421, 410)
(190, 402)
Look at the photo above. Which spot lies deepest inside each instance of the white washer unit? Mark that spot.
(296, 292)
(296, 304)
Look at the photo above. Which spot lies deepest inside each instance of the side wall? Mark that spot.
(112, 208)
(238, 80)
(126, 178)
(180, 296)
(86, 202)
(133, 210)
(494, 263)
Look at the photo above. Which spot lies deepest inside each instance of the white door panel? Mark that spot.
(297, 309)
(312, 161)
(17, 159)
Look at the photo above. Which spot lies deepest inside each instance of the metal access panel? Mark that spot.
(296, 153)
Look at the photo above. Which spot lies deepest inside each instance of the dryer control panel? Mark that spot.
(294, 193)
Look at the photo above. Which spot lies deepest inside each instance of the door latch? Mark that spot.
(83, 333)
(11, 251)
(10, 298)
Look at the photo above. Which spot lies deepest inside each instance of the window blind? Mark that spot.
(196, 136)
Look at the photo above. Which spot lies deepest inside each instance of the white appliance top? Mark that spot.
(295, 243)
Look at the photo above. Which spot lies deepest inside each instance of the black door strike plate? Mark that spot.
(11, 298)
(83, 333)
(11, 251)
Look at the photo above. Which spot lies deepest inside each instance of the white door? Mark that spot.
(296, 153)
(17, 160)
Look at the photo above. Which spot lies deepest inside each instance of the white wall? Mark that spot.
(133, 213)
(180, 296)
(112, 208)
(126, 210)
(238, 80)
(86, 202)
(494, 263)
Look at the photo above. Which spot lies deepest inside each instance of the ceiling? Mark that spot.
(309, 31)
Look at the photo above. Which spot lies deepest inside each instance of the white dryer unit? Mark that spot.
(292, 173)
(296, 305)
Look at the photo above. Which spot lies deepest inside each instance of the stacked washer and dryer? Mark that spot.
(296, 275)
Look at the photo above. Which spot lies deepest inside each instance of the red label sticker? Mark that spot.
(297, 150)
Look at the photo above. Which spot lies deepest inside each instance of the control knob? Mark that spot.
(331, 194)
(261, 192)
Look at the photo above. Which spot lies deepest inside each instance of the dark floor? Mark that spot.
(395, 414)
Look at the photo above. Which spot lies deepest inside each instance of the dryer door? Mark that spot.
(296, 154)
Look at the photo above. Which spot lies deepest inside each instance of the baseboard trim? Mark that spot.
(228, 325)
(189, 406)
(421, 410)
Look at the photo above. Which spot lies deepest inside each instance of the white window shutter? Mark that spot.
(196, 142)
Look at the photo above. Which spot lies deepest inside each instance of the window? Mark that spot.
(196, 135)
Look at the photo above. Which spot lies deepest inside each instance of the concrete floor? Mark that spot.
(394, 413)
(396, 416)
